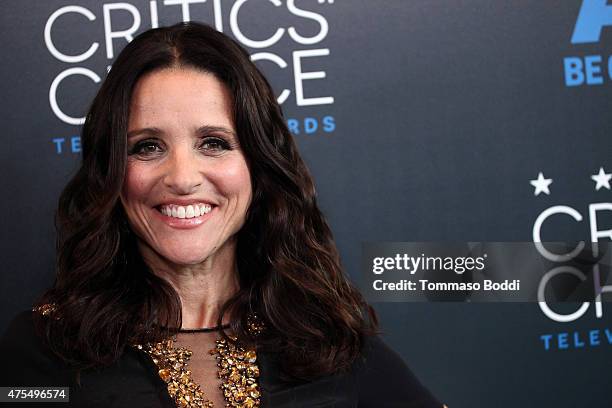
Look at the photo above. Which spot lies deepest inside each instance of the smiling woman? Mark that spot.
(184, 156)
(194, 267)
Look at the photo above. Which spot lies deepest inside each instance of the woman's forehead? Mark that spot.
(174, 96)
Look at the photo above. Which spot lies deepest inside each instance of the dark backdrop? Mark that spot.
(430, 121)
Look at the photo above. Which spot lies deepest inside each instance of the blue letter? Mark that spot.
(577, 341)
(76, 144)
(562, 338)
(594, 337)
(591, 69)
(329, 124)
(310, 125)
(546, 339)
(593, 16)
(59, 141)
(573, 71)
(294, 126)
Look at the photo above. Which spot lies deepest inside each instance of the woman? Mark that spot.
(192, 226)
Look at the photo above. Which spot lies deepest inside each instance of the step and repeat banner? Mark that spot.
(422, 121)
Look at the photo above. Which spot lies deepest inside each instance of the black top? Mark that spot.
(380, 379)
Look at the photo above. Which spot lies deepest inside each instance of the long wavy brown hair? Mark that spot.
(289, 268)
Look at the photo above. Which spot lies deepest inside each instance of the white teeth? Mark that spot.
(190, 211)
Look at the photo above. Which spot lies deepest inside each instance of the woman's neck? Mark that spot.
(202, 288)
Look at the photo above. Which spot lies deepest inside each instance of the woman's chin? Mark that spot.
(187, 259)
(185, 256)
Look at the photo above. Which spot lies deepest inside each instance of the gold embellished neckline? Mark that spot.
(238, 372)
(237, 367)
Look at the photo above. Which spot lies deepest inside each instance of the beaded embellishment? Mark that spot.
(238, 368)
(238, 372)
(45, 309)
(172, 365)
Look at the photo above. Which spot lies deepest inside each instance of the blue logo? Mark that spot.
(594, 15)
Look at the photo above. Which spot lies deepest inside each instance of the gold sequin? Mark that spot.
(239, 378)
(238, 371)
(172, 364)
(238, 368)
(45, 309)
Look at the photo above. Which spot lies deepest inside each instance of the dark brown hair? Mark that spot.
(289, 269)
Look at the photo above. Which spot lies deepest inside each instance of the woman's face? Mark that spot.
(187, 187)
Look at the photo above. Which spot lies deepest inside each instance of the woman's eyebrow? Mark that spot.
(208, 129)
(205, 130)
(149, 130)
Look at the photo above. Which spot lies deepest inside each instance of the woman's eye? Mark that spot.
(145, 148)
(213, 144)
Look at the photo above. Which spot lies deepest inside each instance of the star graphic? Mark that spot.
(541, 184)
(602, 179)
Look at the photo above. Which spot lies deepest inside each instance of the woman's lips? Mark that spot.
(183, 223)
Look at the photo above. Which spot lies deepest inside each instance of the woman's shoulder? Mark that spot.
(25, 359)
(378, 378)
(384, 379)
(28, 362)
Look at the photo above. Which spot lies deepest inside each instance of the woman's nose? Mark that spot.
(183, 173)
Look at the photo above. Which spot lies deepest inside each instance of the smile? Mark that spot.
(188, 211)
(185, 216)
